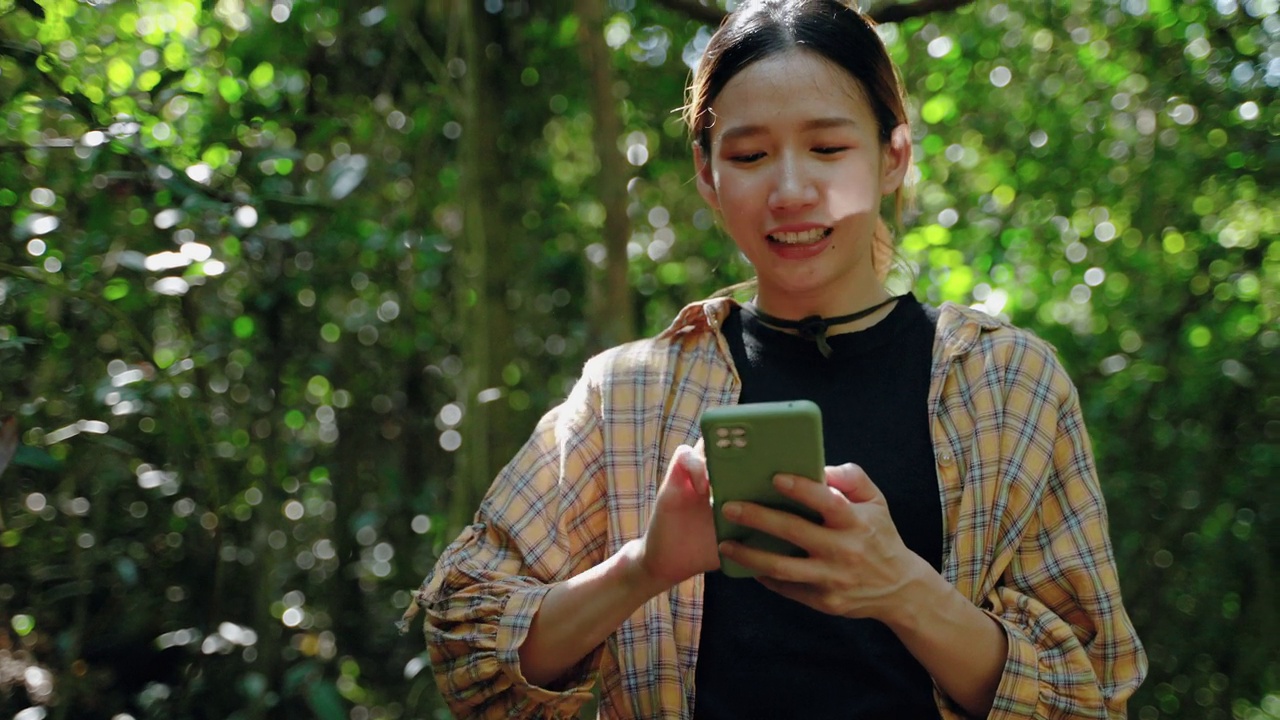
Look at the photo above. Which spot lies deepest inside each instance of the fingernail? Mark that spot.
(783, 482)
(726, 548)
(684, 458)
(732, 510)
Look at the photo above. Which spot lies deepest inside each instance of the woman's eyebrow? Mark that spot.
(743, 131)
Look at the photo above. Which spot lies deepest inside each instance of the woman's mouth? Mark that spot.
(805, 237)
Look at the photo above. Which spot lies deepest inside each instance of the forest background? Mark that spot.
(284, 282)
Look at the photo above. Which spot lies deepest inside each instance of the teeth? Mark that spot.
(801, 238)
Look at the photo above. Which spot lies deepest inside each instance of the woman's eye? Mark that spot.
(830, 149)
(746, 157)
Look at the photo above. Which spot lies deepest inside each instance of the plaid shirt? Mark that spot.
(1024, 528)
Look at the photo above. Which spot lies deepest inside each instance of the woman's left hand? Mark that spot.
(857, 566)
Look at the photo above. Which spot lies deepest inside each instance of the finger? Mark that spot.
(771, 565)
(832, 506)
(852, 481)
(778, 523)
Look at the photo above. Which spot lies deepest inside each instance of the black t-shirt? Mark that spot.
(763, 655)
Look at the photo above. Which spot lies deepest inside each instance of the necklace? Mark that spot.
(814, 327)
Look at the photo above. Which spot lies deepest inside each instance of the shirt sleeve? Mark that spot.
(542, 520)
(1073, 652)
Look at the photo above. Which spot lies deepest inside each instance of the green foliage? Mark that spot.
(232, 278)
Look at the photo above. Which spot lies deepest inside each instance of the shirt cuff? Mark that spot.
(1019, 690)
(513, 628)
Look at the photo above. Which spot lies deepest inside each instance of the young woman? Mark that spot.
(962, 567)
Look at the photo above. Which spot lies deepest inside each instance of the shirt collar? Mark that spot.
(959, 327)
(699, 316)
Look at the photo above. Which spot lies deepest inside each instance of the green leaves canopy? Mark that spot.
(236, 269)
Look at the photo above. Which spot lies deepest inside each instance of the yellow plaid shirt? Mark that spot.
(1024, 529)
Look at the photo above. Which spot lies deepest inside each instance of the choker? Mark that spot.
(814, 327)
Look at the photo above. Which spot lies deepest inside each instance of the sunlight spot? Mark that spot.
(246, 216)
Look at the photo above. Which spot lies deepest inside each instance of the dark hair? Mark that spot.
(758, 29)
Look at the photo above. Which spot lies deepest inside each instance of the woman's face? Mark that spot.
(797, 170)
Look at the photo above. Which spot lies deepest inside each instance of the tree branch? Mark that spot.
(897, 12)
(32, 7)
(890, 13)
(432, 62)
(28, 57)
(705, 14)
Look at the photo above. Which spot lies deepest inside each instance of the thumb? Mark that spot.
(852, 480)
(694, 463)
(689, 466)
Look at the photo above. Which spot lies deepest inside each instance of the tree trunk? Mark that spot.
(480, 273)
(613, 319)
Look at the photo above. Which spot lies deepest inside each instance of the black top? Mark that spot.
(762, 655)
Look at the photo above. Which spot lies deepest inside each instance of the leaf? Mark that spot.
(262, 75)
(938, 108)
(306, 678)
(299, 675)
(325, 701)
(120, 75)
(230, 90)
(115, 289)
(36, 459)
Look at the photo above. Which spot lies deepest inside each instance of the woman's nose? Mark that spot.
(793, 187)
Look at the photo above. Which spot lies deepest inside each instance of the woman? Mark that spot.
(962, 567)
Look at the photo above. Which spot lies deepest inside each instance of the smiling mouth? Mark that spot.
(800, 238)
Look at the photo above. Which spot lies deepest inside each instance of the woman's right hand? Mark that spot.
(680, 541)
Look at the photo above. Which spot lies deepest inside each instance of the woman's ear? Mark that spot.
(896, 160)
(705, 178)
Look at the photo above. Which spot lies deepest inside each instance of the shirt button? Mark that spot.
(945, 458)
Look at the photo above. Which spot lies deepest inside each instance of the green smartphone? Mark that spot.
(746, 445)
